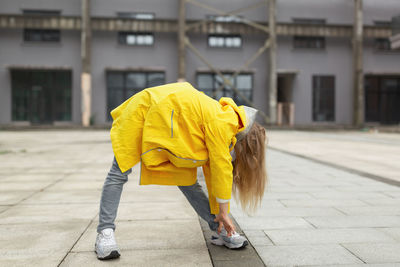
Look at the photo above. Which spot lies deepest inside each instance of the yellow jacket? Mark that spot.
(173, 129)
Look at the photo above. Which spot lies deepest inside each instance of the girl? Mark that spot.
(173, 129)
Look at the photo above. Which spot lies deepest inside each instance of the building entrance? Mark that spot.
(382, 99)
(285, 112)
(41, 96)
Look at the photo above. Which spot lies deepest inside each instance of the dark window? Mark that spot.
(228, 41)
(41, 96)
(382, 44)
(323, 98)
(309, 21)
(41, 35)
(132, 38)
(382, 99)
(309, 42)
(138, 16)
(123, 84)
(209, 83)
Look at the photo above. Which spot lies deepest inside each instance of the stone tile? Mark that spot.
(382, 202)
(261, 240)
(151, 234)
(148, 257)
(28, 214)
(392, 232)
(393, 194)
(348, 195)
(272, 223)
(45, 243)
(3, 208)
(292, 212)
(65, 197)
(23, 186)
(371, 210)
(322, 202)
(354, 221)
(13, 197)
(376, 252)
(286, 195)
(326, 236)
(156, 211)
(357, 265)
(305, 255)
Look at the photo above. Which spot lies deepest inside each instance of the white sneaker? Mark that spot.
(106, 248)
(234, 241)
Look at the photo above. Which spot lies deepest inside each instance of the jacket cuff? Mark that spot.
(220, 200)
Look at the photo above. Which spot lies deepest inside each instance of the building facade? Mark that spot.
(134, 45)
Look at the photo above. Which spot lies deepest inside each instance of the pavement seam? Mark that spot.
(352, 253)
(80, 236)
(337, 166)
(34, 193)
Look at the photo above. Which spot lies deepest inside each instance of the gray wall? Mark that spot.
(335, 60)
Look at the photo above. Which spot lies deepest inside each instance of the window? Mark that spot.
(309, 42)
(41, 35)
(132, 38)
(309, 21)
(123, 84)
(228, 41)
(41, 96)
(382, 44)
(138, 16)
(323, 98)
(210, 82)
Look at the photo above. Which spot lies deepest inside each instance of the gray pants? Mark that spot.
(112, 190)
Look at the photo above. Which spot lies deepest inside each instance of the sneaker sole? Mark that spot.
(113, 255)
(218, 242)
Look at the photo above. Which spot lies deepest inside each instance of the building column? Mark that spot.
(181, 41)
(86, 79)
(272, 62)
(358, 75)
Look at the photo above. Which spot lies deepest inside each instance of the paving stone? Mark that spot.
(348, 195)
(291, 212)
(354, 221)
(326, 236)
(151, 234)
(44, 244)
(357, 265)
(46, 213)
(376, 252)
(392, 232)
(382, 202)
(156, 211)
(272, 223)
(150, 258)
(23, 186)
(371, 210)
(13, 197)
(305, 255)
(65, 197)
(322, 202)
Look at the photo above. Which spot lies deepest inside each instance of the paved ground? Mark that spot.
(316, 215)
(312, 214)
(369, 152)
(50, 185)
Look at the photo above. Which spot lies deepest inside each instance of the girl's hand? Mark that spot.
(223, 219)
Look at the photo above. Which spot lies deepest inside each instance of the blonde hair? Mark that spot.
(249, 171)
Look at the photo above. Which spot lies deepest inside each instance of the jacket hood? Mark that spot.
(226, 101)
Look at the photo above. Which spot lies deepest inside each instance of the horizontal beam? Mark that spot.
(167, 26)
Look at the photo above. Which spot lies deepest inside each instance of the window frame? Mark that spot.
(126, 90)
(309, 40)
(27, 32)
(211, 91)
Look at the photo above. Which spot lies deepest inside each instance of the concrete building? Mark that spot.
(135, 44)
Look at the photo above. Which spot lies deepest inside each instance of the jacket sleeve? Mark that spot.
(218, 137)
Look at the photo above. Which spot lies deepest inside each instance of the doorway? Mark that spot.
(285, 112)
(41, 96)
(382, 99)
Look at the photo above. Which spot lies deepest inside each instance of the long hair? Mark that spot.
(249, 171)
